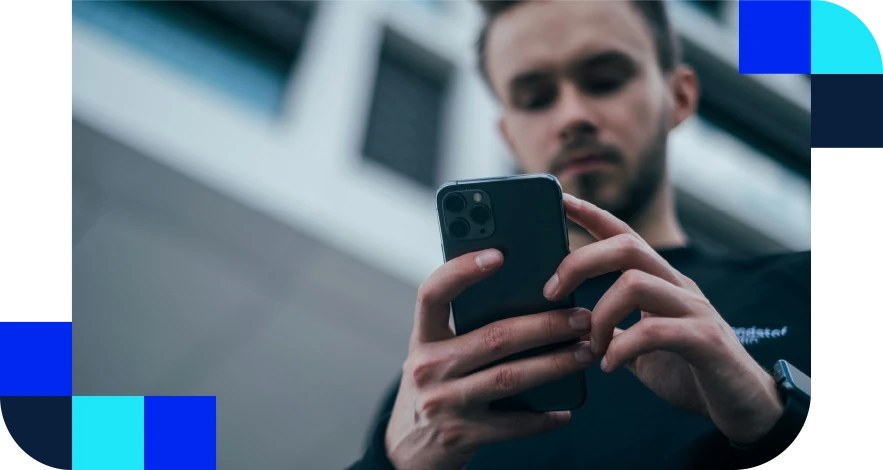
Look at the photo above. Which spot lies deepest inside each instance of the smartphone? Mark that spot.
(523, 217)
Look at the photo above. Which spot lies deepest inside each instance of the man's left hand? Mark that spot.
(682, 349)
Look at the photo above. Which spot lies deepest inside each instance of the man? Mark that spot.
(589, 91)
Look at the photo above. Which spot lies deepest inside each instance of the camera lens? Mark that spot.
(480, 214)
(454, 202)
(459, 228)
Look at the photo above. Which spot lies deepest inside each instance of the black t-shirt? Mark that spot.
(623, 424)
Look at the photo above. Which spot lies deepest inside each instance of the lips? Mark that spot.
(585, 162)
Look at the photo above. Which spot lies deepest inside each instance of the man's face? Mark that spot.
(583, 98)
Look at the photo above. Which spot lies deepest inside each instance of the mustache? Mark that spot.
(582, 145)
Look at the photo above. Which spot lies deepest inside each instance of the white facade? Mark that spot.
(306, 168)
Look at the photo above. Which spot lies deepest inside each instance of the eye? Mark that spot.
(535, 97)
(600, 86)
(605, 76)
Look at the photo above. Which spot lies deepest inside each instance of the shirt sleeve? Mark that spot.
(714, 450)
(375, 457)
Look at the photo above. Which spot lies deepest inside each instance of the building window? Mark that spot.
(714, 8)
(406, 119)
(245, 49)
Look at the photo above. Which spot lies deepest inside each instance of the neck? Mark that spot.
(657, 223)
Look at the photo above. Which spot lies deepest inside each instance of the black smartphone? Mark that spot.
(523, 217)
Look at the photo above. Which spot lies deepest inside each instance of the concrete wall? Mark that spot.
(179, 290)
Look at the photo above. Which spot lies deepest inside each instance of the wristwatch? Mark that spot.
(793, 387)
(791, 382)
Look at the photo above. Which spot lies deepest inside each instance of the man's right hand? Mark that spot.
(441, 414)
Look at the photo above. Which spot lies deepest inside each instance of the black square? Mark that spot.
(846, 111)
(36, 431)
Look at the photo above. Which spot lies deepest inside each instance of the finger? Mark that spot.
(513, 335)
(677, 335)
(497, 427)
(618, 253)
(638, 290)
(444, 285)
(600, 223)
(603, 225)
(513, 377)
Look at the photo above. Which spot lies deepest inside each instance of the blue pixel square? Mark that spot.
(36, 359)
(179, 433)
(775, 37)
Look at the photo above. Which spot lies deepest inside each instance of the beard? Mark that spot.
(629, 198)
(636, 193)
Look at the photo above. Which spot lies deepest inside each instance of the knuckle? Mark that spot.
(421, 369)
(431, 405)
(727, 334)
(699, 304)
(453, 435)
(427, 295)
(595, 323)
(691, 334)
(689, 283)
(633, 280)
(655, 332)
(716, 333)
(560, 366)
(506, 379)
(549, 321)
(629, 243)
(496, 336)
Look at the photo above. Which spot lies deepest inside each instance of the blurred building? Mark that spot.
(253, 202)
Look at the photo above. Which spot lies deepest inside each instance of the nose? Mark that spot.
(575, 116)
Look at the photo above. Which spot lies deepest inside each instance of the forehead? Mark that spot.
(541, 34)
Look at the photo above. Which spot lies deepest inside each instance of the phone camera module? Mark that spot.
(454, 203)
(459, 228)
(480, 214)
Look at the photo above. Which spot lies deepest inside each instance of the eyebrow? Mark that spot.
(606, 58)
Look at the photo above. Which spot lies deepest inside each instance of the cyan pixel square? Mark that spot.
(847, 36)
(108, 433)
(775, 37)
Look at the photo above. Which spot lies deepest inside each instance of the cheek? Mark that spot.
(530, 141)
(633, 119)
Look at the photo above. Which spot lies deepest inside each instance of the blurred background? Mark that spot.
(253, 196)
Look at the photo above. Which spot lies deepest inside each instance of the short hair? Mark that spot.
(654, 13)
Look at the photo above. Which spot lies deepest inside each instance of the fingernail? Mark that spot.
(488, 259)
(594, 346)
(570, 199)
(583, 354)
(551, 286)
(579, 320)
(604, 363)
(560, 418)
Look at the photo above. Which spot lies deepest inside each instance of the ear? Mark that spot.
(684, 85)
